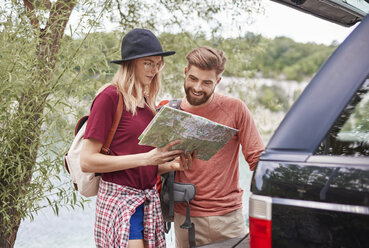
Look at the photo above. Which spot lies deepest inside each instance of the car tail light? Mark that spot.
(260, 221)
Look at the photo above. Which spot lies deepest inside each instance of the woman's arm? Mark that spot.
(94, 161)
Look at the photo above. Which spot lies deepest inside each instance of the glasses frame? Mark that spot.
(149, 66)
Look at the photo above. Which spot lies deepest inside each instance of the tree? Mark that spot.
(43, 71)
(273, 98)
(295, 61)
(24, 109)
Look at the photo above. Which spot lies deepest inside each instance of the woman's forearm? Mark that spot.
(101, 163)
(94, 161)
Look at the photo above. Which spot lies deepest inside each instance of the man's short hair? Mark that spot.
(207, 58)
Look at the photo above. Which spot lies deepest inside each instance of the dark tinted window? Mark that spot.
(350, 133)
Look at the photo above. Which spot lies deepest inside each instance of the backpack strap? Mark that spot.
(117, 116)
(80, 124)
(175, 103)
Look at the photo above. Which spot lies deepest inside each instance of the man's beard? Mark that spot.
(195, 101)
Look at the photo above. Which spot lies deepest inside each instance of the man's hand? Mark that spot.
(183, 162)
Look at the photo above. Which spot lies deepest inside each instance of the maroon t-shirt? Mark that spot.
(125, 140)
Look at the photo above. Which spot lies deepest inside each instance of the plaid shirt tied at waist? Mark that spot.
(115, 205)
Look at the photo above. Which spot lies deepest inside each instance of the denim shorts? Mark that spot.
(137, 227)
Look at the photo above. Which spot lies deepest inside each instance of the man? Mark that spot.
(216, 209)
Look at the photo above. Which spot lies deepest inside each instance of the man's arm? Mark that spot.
(250, 138)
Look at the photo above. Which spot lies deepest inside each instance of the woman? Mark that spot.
(128, 208)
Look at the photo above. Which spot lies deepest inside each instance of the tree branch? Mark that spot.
(31, 14)
(125, 20)
(47, 4)
(54, 30)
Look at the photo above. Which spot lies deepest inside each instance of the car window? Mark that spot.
(350, 133)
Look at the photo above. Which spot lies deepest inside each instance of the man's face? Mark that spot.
(199, 85)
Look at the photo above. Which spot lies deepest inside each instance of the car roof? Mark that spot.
(324, 98)
(346, 13)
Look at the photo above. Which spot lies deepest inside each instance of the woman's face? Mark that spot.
(146, 68)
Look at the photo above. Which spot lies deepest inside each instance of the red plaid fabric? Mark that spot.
(115, 205)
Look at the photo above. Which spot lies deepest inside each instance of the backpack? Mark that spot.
(171, 192)
(87, 183)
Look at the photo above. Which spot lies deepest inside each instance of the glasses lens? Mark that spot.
(161, 66)
(152, 66)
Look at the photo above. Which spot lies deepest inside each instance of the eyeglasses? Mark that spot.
(149, 66)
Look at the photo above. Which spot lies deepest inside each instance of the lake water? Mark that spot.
(74, 228)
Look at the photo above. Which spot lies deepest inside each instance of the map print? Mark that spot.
(195, 132)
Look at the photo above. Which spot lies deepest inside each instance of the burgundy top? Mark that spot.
(125, 140)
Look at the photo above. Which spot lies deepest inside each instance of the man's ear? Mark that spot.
(219, 80)
(185, 70)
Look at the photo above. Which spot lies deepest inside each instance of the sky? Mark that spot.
(279, 20)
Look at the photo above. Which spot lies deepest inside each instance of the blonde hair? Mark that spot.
(126, 82)
(207, 58)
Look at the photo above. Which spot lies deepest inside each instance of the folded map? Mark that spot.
(196, 133)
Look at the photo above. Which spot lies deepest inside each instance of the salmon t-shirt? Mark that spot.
(125, 140)
(217, 187)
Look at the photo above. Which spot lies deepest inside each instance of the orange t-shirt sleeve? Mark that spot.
(249, 136)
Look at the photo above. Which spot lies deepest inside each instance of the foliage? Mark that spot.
(362, 118)
(296, 61)
(358, 121)
(273, 98)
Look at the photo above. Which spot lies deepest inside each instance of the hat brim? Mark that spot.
(164, 54)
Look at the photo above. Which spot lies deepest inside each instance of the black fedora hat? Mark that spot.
(139, 43)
